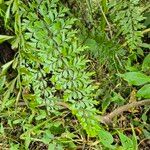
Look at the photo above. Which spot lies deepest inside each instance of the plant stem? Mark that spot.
(109, 117)
(104, 16)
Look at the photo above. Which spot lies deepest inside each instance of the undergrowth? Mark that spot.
(64, 65)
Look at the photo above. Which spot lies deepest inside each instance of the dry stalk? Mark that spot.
(107, 119)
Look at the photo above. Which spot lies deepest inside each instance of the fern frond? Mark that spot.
(128, 17)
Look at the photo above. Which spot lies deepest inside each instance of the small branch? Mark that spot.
(108, 118)
(146, 31)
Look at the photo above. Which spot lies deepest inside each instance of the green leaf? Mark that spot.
(9, 103)
(52, 146)
(15, 6)
(146, 134)
(144, 117)
(47, 137)
(117, 98)
(144, 91)
(7, 15)
(42, 115)
(126, 142)
(5, 67)
(135, 78)
(146, 63)
(92, 44)
(14, 146)
(5, 38)
(106, 139)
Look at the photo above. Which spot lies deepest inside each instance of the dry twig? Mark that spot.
(109, 117)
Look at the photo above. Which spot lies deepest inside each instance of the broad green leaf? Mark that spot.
(144, 91)
(146, 134)
(146, 63)
(135, 78)
(5, 38)
(106, 139)
(126, 142)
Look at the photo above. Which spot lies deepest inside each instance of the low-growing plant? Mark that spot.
(51, 93)
(51, 74)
